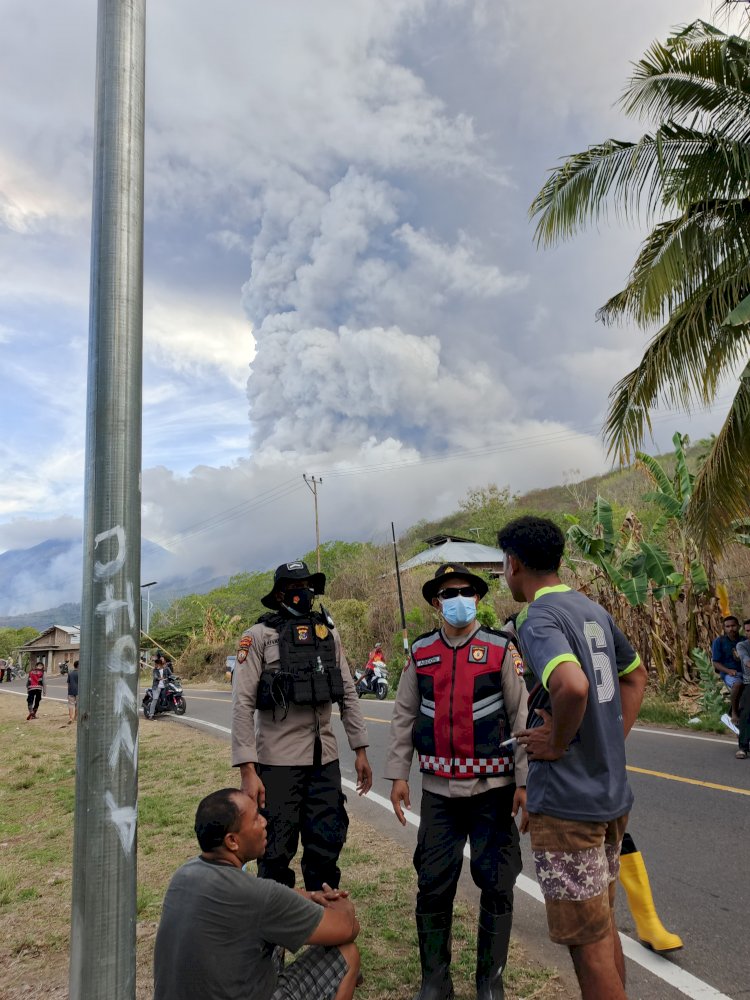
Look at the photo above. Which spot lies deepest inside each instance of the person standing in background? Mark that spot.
(73, 693)
(35, 688)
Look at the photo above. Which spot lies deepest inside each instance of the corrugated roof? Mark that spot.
(467, 553)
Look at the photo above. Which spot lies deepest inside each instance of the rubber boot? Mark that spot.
(434, 932)
(651, 930)
(493, 939)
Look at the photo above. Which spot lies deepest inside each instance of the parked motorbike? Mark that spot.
(372, 682)
(170, 698)
(63, 669)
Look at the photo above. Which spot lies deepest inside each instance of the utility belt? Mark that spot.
(280, 688)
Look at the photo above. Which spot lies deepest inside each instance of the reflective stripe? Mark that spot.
(488, 709)
(462, 767)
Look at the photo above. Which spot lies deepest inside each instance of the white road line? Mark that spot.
(683, 736)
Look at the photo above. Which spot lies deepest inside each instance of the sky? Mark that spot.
(340, 275)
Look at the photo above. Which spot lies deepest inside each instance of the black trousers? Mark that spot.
(444, 827)
(33, 698)
(744, 723)
(303, 803)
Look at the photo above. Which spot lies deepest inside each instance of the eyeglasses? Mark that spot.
(449, 592)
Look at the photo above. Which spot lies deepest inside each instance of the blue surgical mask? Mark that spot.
(459, 611)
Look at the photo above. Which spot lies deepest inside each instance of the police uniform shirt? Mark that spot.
(259, 738)
(406, 708)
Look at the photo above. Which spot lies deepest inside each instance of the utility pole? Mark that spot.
(400, 596)
(312, 485)
(103, 917)
(147, 587)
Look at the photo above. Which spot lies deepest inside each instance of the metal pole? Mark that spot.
(103, 923)
(313, 484)
(147, 587)
(400, 594)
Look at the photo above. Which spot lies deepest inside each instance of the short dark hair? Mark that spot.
(746, 621)
(536, 541)
(216, 816)
(730, 618)
(75, 664)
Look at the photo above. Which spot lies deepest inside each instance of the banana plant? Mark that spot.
(662, 572)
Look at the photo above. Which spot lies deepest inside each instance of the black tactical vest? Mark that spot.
(308, 673)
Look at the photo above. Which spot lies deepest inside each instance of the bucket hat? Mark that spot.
(431, 587)
(289, 572)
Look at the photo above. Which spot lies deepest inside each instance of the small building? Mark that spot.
(453, 548)
(56, 644)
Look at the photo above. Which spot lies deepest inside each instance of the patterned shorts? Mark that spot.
(577, 865)
(315, 975)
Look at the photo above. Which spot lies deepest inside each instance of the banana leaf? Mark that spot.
(656, 472)
(658, 565)
(602, 514)
(684, 476)
(699, 577)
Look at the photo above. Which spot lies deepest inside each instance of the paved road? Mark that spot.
(690, 822)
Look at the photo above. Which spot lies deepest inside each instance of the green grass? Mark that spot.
(664, 711)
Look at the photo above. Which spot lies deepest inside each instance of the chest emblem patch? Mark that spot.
(478, 654)
(302, 633)
(321, 631)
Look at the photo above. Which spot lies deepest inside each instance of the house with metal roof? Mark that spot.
(453, 548)
(56, 644)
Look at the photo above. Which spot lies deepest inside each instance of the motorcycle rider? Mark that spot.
(375, 659)
(161, 674)
(290, 668)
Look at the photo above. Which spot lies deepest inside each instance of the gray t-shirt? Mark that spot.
(589, 782)
(217, 931)
(743, 651)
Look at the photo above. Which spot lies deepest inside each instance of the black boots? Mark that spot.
(434, 931)
(493, 939)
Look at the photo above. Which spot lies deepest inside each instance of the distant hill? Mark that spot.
(48, 576)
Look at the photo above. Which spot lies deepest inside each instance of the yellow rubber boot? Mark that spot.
(651, 930)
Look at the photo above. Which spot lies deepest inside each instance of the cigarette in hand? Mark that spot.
(509, 743)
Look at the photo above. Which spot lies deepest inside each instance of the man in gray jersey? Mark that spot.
(589, 689)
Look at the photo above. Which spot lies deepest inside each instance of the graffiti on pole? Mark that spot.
(118, 611)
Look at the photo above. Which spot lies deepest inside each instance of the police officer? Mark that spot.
(459, 698)
(290, 670)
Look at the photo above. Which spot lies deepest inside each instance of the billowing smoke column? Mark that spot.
(344, 295)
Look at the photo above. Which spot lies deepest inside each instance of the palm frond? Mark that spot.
(678, 257)
(697, 72)
(721, 490)
(634, 176)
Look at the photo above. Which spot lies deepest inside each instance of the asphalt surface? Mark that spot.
(689, 821)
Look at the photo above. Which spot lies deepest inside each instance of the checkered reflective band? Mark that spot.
(461, 767)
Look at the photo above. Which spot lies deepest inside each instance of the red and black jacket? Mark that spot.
(462, 718)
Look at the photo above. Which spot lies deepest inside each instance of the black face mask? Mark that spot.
(299, 600)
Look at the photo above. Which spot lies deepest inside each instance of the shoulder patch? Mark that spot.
(516, 660)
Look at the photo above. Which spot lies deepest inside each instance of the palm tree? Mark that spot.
(690, 177)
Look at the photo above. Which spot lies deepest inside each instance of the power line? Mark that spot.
(231, 513)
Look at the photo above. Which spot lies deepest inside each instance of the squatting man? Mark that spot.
(221, 928)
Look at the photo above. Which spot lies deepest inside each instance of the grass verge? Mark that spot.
(177, 767)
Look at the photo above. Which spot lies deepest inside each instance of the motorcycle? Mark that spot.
(372, 682)
(63, 669)
(170, 699)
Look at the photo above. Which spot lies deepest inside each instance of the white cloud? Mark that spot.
(356, 177)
